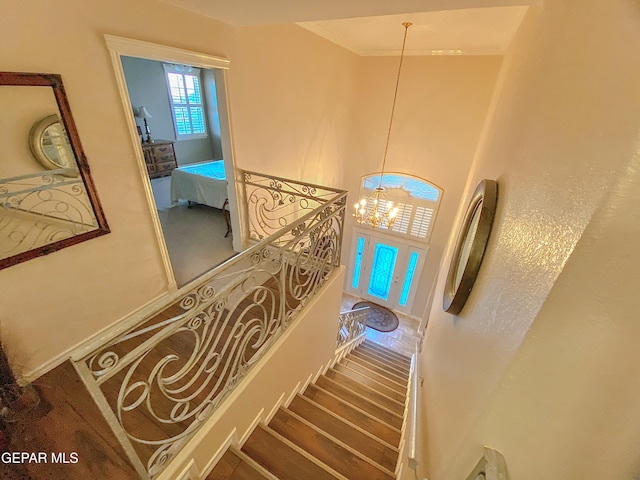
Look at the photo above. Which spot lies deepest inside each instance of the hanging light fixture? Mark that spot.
(382, 212)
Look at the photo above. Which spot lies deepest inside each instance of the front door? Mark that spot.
(385, 271)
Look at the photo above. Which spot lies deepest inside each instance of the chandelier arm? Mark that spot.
(406, 26)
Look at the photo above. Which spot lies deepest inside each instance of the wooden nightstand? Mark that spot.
(160, 158)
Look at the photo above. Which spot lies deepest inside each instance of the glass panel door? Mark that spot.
(385, 271)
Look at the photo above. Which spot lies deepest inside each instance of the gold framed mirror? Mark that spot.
(47, 196)
(470, 246)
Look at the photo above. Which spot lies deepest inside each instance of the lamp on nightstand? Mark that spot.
(143, 113)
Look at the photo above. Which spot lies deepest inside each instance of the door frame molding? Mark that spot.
(393, 239)
(121, 46)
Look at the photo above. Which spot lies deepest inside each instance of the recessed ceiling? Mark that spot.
(477, 31)
(374, 27)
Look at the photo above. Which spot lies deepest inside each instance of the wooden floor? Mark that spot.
(65, 425)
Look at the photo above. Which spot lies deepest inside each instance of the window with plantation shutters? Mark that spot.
(416, 199)
(187, 102)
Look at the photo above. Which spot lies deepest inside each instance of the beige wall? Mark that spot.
(541, 363)
(283, 85)
(292, 95)
(441, 108)
(22, 108)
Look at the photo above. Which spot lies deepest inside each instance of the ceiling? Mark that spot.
(374, 27)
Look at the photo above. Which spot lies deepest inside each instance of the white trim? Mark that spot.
(256, 421)
(119, 46)
(230, 441)
(97, 339)
(163, 53)
(190, 472)
(142, 169)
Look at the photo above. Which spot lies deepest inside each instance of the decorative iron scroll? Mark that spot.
(274, 203)
(352, 323)
(42, 208)
(158, 382)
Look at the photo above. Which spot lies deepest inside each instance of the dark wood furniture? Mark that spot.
(159, 157)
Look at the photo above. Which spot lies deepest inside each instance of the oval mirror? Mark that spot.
(50, 145)
(470, 246)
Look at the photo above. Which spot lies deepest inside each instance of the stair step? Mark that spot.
(352, 435)
(346, 364)
(370, 392)
(395, 377)
(236, 465)
(381, 357)
(284, 459)
(360, 401)
(327, 449)
(354, 415)
(388, 351)
(369, 382)
(381, 366)
(399, 364)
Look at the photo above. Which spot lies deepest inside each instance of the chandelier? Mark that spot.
(376, 210)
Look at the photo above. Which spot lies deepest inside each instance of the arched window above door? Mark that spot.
(417, 201)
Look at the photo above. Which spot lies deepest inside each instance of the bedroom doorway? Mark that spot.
(176, 108)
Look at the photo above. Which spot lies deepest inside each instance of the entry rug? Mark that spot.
(378, 317)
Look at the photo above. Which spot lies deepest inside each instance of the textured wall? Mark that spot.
(561, 142)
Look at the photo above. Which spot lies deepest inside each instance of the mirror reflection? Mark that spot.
(47, 201)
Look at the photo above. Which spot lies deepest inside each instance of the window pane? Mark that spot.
(408, 279)
(355, 283)
(182, 120)
(176, 87)
(193, 89)
(197, 120)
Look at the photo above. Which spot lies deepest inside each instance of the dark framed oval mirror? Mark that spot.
(470, 246)
(48, 200)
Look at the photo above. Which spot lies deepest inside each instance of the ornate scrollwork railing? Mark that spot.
(42, 208)
(352, 324)
(273, 203)
(159, 381)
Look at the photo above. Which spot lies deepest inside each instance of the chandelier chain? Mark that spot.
(406, 26)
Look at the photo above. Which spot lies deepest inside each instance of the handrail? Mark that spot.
(414, 426)
(172, 366)
(352, 325)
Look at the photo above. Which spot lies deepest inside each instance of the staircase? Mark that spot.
(346, 425)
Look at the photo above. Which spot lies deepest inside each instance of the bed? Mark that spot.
(204, 183)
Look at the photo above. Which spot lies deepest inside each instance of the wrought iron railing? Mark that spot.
(159, 381)
(42, 208)
(274, 203)
(352, 324)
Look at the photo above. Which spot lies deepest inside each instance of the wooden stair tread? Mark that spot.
(327, 449)
(378, 367)
(354, 415)
(281, 458)
(387, 350)
(381, 363)
(374, 393)
(401, 365)
(232, 467)
(354, 436)
(346, 363)
(358, 400)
